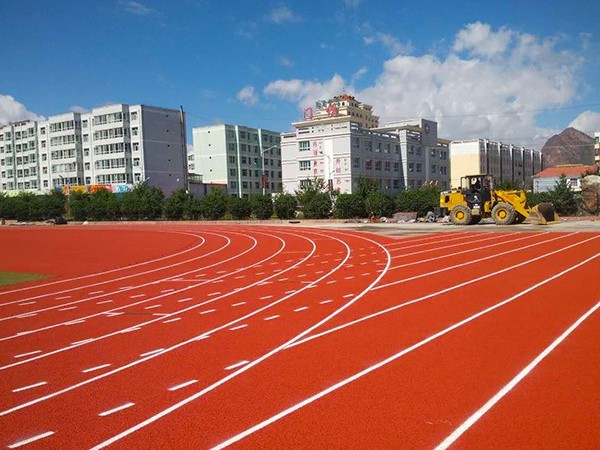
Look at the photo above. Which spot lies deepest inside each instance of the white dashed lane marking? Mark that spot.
(212, 294)
(91, 369)
(138, 296)
(63, 297)
(272, 317)
(103, 302)
(31, 386)
(26, 303)
(266, 297)
(239, 364)
(96, 292)
(239, 327)
(172, 320)
(151, 352)
(68, 308)
(238, 304)
(302, 308)
(182, 385)
(153, 306)
(35, 352)
(117, 409)
(31, 439)
(325, 301)
(185, 300)
(208, 311)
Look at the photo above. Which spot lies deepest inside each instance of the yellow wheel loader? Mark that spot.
(476, 199)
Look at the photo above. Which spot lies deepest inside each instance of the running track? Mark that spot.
(180, 336)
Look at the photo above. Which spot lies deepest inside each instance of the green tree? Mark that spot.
(318, 206)
(565, 200)
(535, 198)
(239, 208)
(25, 206)
(194, 209)
(262, 206)
(507, 185)
(143, 202)
(214, 205)
(52, 204)
(311, 188)
(103, 205)
(366, 186)
(285, 206)
(418, 200)
(79, 205)
(177, 206)
(380, 204)
(349, 206)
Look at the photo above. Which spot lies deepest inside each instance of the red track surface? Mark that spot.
(268, 337)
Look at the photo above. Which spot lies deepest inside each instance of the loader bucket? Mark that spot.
(543, 214)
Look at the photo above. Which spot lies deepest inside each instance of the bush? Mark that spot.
(349, 206)
(535, 198)
(239, 208)
(418, 200)
(177, 206)
(214, 205)
(52, 205)
(285, 206)
(143, 202)
(565, 201)
(380, 204)
(103, 205)
(79, 205)
(318, 207)
(262, 206)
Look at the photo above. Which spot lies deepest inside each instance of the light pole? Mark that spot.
(331, 171)
(262, 157)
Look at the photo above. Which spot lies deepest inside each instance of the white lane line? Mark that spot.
(239, 327)
(265, 297)
(390, 359)
(512, 383)
(185, 299)
(74, 322)
(84, 341)
(212, 294)
(302, 308)
(26, 303)
(63, 297)
(348, 295)
(302, 275)
(153, 306)
(92, 369)
(172, 320)
(239, 303)
(31, 386)
(260, 273)
(208, 311)
(160, 314)
(24, 316)
(272, 317)
(137, 296)
(151, 352)
(331, 282)
(325, 301)
(31, 439)
(117, 409)
(68, 308)
(129, 330)
(95, 292)
(113, 314)
(218, 281)
(283, 279)
(290, 292)
(182, 385)
(239, 277)
(35, 352)
(104, 301)
(239, 364)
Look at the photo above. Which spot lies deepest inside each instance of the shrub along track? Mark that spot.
(199, 336)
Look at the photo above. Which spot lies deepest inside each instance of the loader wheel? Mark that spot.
(503, 214)
(519, 218)
(461, 215)
(475, 220)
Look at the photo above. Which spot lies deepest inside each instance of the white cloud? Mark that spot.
(285, 61)
(283, 14)
(587, 122)
(352, 3)
(305, 93)
(359, 74)
(136, 8)
(388, 41)
(478, 39)
(247, 96)
(13, 111)
(78, 109)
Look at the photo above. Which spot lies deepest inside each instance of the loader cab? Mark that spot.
(477, 190)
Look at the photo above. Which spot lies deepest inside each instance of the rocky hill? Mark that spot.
(571, 146)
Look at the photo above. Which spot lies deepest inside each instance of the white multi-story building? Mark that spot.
(114, 146)
(342, 147)
(505, 162)
(247, 160)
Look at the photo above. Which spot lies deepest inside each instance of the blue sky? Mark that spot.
(514, 71)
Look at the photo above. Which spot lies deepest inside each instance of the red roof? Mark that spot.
(568, 170)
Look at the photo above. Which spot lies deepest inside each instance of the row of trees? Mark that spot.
(311, 201)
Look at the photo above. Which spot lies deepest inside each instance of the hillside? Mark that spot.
(571, 146)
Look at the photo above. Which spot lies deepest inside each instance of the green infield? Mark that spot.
(18, 277)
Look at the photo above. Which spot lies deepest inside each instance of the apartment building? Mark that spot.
(113, 146)
(341, 148)
(505, 162)
(247, 160)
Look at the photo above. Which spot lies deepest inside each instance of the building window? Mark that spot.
(232, 159)
(304, 146)
(411, 150)
(388, 166)
(368, 164)
(433, 168)
(411, 167)
(418, 151)
(245, 184)
(419, 167)
(232, 172)
(134, 115)
(304, 165)
(136, 162)
(356, 163)
(397, 149)
(377, 165)
(134, 131)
